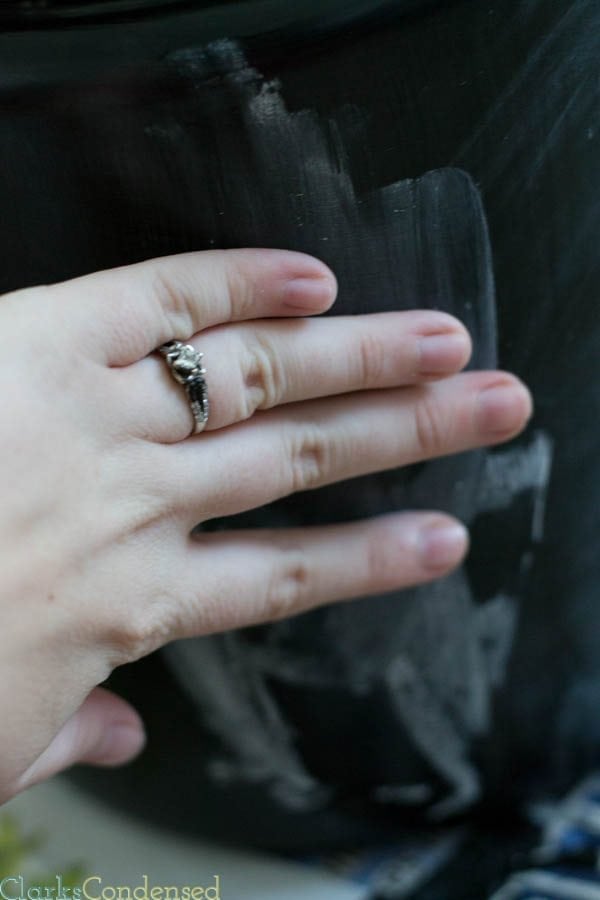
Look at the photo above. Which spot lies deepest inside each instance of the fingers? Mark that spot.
(247, 577)
(262, 364)
(105, 731)
(307, 445)
(123, 314)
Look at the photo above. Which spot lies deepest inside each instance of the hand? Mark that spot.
(101, 485)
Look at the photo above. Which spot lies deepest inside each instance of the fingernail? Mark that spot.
(440, 353)
(503, 408)
(309, 294)
(443, 544)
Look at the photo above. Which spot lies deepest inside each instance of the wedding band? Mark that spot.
(185, 365)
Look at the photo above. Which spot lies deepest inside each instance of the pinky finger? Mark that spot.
(255, 576)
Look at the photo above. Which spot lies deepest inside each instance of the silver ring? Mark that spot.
(185, 365)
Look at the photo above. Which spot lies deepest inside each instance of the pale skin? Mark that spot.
(101, 484)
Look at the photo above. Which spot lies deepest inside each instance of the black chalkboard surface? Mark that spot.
(434, 155)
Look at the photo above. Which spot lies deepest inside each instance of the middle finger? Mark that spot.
(262, 364)
(311, 444)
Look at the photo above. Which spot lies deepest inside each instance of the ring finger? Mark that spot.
(262, 364)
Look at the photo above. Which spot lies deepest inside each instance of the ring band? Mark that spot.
(185, 365)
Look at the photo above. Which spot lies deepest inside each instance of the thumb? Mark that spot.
(105, 731)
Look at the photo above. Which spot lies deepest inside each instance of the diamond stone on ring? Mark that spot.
(185, 365)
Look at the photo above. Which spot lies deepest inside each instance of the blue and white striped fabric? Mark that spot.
(564, 864)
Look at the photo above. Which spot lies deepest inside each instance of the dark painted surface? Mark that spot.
(447, 156)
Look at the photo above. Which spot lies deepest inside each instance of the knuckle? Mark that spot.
(429, 426)
(175, 301)
(138, 636)
(371, 360)
(240, 291)
(290, 587)
(263, 376)
(309, 459)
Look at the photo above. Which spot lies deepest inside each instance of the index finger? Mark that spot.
(131, 310)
